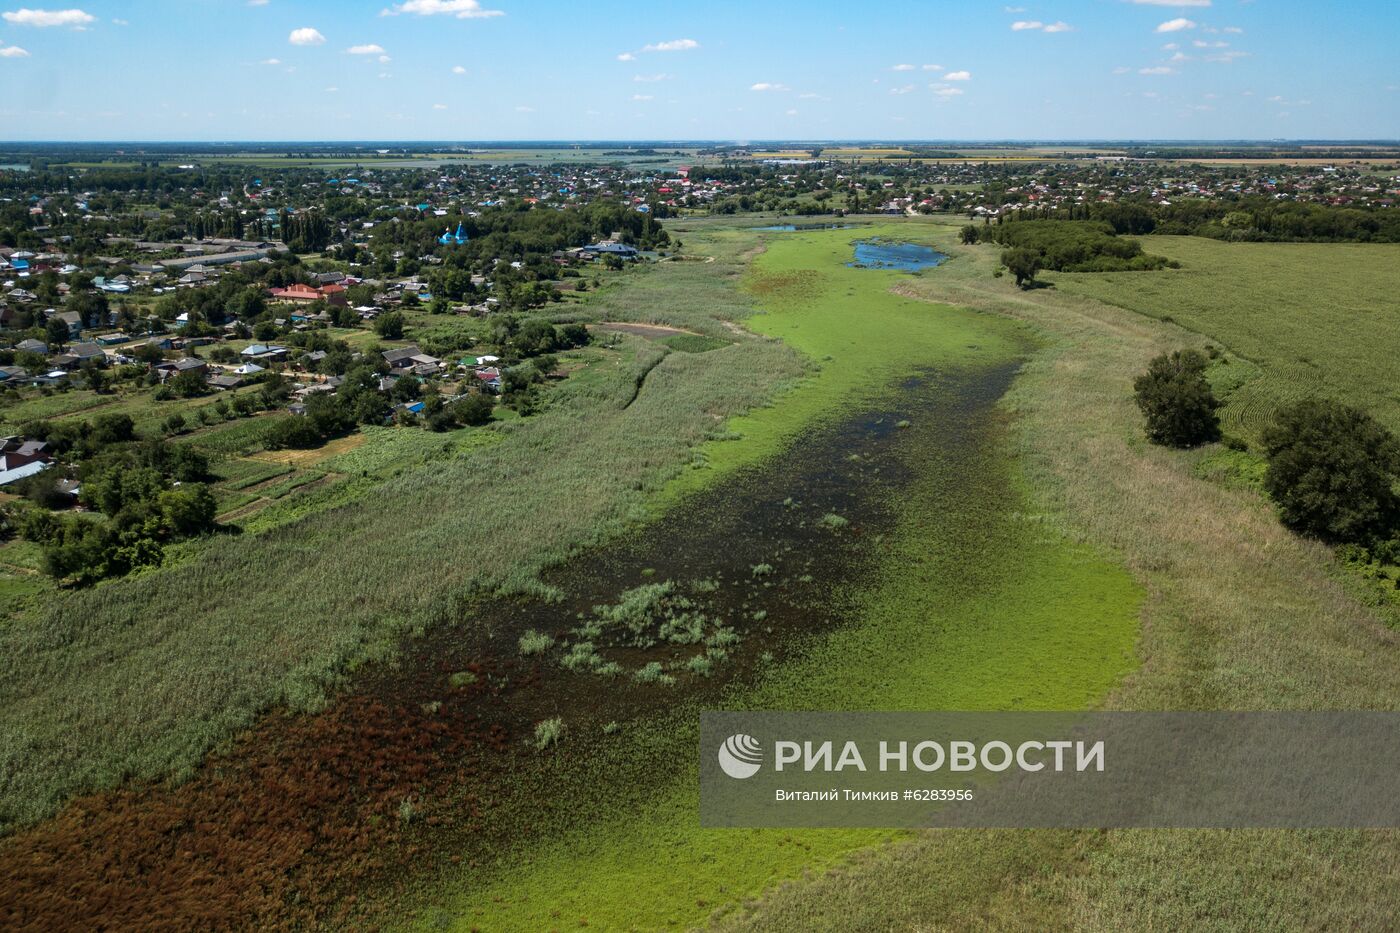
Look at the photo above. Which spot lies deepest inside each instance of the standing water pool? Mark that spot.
(892, 254)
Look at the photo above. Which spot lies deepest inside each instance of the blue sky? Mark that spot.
(762, 69)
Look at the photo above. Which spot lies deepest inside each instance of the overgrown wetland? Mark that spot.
(528, 761)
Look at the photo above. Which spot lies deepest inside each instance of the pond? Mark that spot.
(892, 254)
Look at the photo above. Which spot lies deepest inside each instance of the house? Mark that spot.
(249, 369)
(78, 355)
(224, 381)
(620, 250)
(73, 319)
(15, 466)
(489, 377)
(31, 345)
(190, 364)
(407, 358)
(260, 351)
(331, 294)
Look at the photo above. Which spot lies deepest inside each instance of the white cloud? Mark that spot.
(1122, 70)
(626, 57)
(933, 68)
(332, 90)
(1156, 70)
(458, 70)
(768, 86)
(647, 79)
(1176, 25)
(1233, 30)
(672, 45)
(439, 106)
(306, 36)
(462, 9)
(1026, 25)
(1202, 44)
(948, 91)
(523, 109)
(906, 89)
(43, 18)
(365, 50)
(257, 2)
(792, 113)
(641, 97)
(1196, 3)
(13, 51)
(958, 76)
(270, 61)
(901, 68)
(384, 59)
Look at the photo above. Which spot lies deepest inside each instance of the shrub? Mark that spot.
(1332, 471)
(548, 733)
(533, 642)
(1177, 400)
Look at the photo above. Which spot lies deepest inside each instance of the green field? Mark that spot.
(1315, 319)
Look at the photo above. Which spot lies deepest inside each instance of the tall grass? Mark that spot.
(136, 679)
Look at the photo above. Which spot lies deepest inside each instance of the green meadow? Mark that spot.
(1306, 318)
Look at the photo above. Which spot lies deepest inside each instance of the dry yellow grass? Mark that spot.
(300, 459)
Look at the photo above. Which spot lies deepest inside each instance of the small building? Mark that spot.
(190, 364)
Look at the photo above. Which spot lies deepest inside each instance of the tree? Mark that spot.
(389, 326)
(57, 333)
(1332, 471)
(188, 384)
(1177, 400)
(292, 432)
(474, 409)
(1023, 263)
